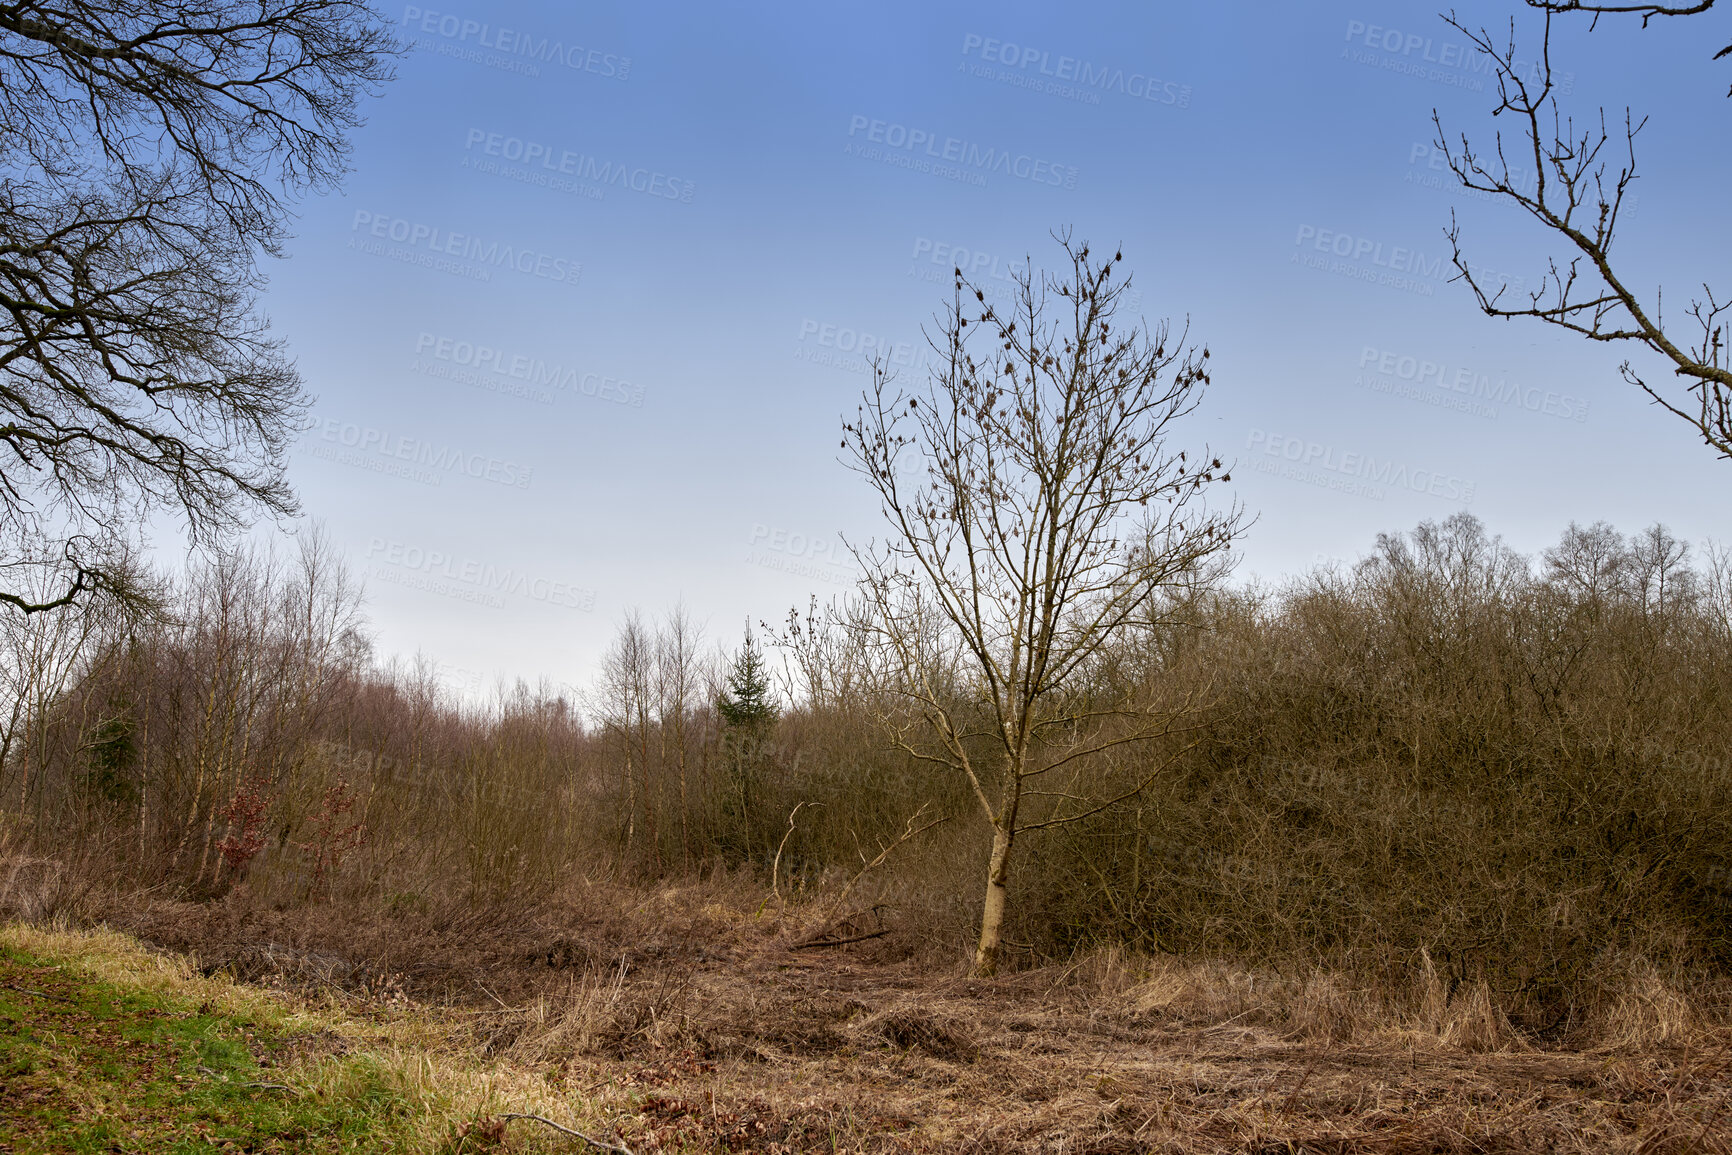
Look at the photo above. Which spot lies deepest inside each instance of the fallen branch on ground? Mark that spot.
(564, 1130)
(817, 942)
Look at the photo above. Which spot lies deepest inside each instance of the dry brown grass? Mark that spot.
(680, 1019)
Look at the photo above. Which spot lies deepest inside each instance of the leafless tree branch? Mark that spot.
(148, 154)
(1577, 198)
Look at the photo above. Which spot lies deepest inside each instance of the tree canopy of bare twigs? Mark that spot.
(1573, 179)
(149, 151)
(1050, 516)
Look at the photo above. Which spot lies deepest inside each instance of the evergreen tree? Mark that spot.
(749, 704)
(749, 711)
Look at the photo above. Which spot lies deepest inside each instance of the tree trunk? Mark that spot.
(685, 831)
(992, 917)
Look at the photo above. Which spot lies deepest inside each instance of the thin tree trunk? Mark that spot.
(652, 836)
(630, 800)
(149, 684)
(992, 916)
(685, 831)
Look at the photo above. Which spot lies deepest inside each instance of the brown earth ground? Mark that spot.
(684, 1020)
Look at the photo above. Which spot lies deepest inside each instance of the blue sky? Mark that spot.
(642, 388)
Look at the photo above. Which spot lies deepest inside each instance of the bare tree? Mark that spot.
(1572, 194)
(39, 658)
(148, 153)
(677, 685)
(1050, 518)
(1591, 565)
(627, 689)
(1717, 589)
(819, 666)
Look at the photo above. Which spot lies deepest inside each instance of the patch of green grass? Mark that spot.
(87, 1066)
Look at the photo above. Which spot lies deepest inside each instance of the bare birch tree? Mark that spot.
(677, 685)
(627, 690)
(1573, 192)
(1046, 517)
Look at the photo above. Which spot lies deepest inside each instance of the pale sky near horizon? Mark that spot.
(585, 317)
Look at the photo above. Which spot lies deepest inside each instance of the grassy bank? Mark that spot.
(108, 1046)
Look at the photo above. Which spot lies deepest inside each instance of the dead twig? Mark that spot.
(564, 1130)
(818, 942)
(1293, 1099)
(38, 994)
(776, 867)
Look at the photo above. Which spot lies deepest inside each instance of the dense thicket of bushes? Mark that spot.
(1523, 772)
(1449, 758)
